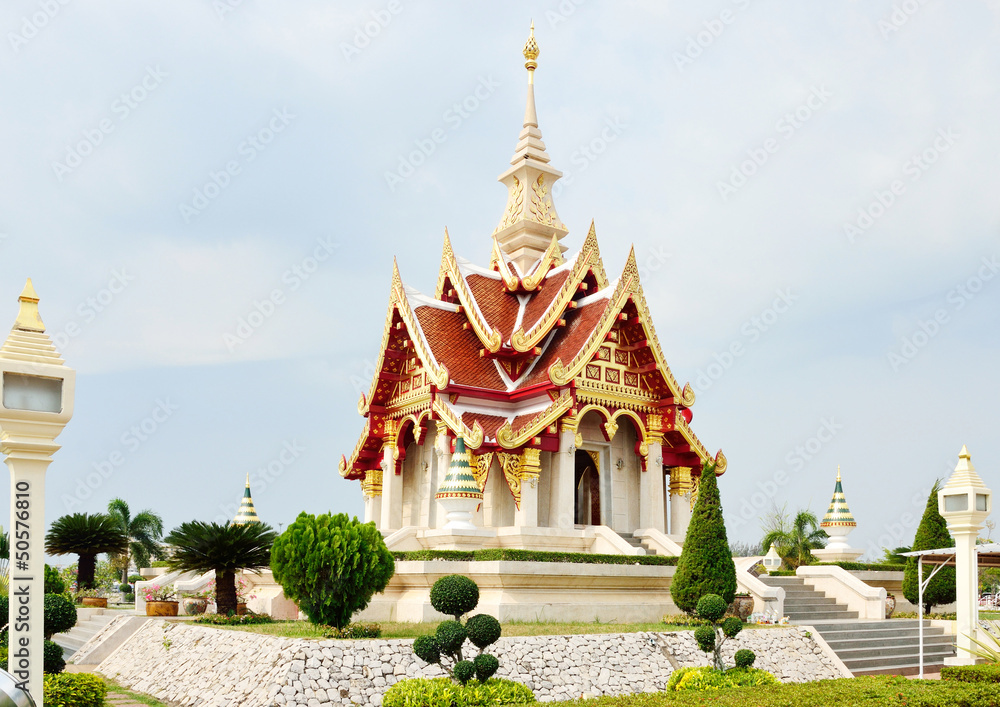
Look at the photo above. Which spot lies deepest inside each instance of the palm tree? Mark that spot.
(143, 533)
(226, 549)
(87, 536)
(795, 542)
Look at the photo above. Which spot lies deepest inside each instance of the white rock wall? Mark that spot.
(197, 665)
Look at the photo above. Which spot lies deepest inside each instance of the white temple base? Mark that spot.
(592, 538)
(844, 554)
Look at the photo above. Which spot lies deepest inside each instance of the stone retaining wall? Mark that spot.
(199, 665)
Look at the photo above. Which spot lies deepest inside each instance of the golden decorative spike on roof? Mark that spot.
(28, 318)
(247, 513)
(531, 50)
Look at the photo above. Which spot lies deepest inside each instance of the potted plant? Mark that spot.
(890, 605)
(94, 598)
(160, 601)
(742, 605)
(194, 603)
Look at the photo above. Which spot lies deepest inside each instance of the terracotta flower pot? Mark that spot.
(96, 602)
(195, 605)
(742, 607)
(241, 609)
(890, 605)
(161, 608)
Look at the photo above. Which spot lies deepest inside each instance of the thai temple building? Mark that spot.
(547, 373)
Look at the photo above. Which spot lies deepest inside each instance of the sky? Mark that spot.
(208, 195)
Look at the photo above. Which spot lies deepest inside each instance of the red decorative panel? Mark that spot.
(612, 375)
(632, 379)
(604, 353)
(593, 372)
(621, 357)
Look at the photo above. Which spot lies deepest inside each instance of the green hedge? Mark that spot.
(847, 692)
(867, 566)
(233, 619)
(971, 673)
(442, 692)
(509, 555)
(74, 690)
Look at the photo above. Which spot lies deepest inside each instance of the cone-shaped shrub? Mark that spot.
(706, 565)
(932, 533)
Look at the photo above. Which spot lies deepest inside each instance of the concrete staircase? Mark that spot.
(635, 542)
(867, 647)
(88, 623)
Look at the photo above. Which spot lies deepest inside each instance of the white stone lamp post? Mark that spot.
(772, 560)
(36, 402)
(459, 493)
(965, 502)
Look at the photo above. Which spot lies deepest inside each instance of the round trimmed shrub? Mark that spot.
(744, 658)
(427, 649)
(464, 671)
(60, 614)
(483, 630)
(77, 689)
(705, 635)
(52, 658)
(732, 626)
(486, 666)
(331, 565)
(454, 595)
(54, 584)
(711, 607)
(450, 636)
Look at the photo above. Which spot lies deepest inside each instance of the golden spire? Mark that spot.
(531, 53)
(28, 318)
(838, 472)
(248, 479)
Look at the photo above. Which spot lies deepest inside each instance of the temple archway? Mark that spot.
(587, 509)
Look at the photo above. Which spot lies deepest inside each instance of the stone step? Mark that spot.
(858, 639)
(809, 601)
(910, 658)
(859, 657)
(839, 612)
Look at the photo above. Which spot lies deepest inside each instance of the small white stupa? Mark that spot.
(838, 524)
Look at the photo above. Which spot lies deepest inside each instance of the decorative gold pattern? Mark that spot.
(551, 258)
(531, 466)
(687, 395)
(371, 486)
(450, 272)
(510, 464)
(540, 209)
(515, 201)
(588, 259)
(610, 428)
(596, 456)
(481, 464)
(508, 439)
(473, 438)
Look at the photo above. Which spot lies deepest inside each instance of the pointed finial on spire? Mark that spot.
(964, 454)
(248, 479)
(531, 52)
(28, 318)
(838, 472)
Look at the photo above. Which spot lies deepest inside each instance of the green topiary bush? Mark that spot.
(486, 666)
(52, 658)
(711, 607)
(457, 595)
(732, 626)
(54, 584)
(744, 658)
(454, 595)
(710, 637)
(331, 566)
(705, 636)
(706, 565)
(442, 692)
(483, 630)
(932, 533)
(74, 690)
(60, 614)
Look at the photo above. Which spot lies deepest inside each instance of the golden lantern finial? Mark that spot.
(28, 318)
(531, 52)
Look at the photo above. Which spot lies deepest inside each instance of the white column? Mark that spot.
(651, 502)
(373, 510)
(680, 503)
(966, 593)
(526, 515)
(392, 493)
(27, 560)
(562, 503)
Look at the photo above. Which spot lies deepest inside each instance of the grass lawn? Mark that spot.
(851, 692)
(396, 629)
(114, 689)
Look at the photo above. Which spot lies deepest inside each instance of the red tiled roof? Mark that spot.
(499, 307)
(489, 423)
(542, 299)
(457, 349)
(580, 325)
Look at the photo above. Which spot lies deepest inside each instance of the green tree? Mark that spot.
(331, 566)
(143, 531)
(706, 565)
(796, 540)
(87, 536)
(203, 547)
(895, 555)
(932, 533)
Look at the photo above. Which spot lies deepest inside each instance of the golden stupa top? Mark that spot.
(27, 340)
(531, 50)
(28, 318)
(838, 514)
(247, 513)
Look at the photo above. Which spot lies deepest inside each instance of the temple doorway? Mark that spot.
(588, 490)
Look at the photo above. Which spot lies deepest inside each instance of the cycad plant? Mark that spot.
(87, 536)
(227, 549)
(143, 532)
